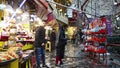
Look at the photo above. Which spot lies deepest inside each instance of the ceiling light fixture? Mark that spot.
(15, 12)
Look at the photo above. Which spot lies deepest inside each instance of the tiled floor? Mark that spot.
(74, 58)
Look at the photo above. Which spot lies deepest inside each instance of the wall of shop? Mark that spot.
(58, 14)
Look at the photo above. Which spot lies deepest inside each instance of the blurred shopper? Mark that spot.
(39, 44)
(80, 35)
(60, 48)
(53, 39)
(74, 37)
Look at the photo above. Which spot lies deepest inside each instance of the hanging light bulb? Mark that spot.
(118, 18)
(2, 6)
(115, 3)
(19, 11)
(60, 10)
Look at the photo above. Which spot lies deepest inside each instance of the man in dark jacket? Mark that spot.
(39, 44)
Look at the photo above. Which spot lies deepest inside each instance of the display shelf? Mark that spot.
(27, 47)
(4, 38)
(9, 64)
(113, 44)
(26, 60)
(27, 44)
(102, 31)
(97, 39)
(14, 64)
(2, 44)
(6, 62)
(97, 34)
(115, 64)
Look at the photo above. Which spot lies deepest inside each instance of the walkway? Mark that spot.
(74, 58)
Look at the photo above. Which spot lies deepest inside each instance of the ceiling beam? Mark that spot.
(72, 8)
(82, 7)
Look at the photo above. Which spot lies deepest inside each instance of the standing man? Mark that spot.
(80, 35)
(39, 44)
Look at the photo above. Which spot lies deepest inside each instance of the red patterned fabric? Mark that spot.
(50, 17)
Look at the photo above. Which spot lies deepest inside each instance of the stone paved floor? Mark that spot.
(74, 58)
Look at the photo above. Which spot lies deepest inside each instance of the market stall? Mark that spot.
(16, 38)
(96, 41)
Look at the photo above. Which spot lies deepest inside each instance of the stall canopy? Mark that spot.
(42, 8)
(50, 19)
(43, 11)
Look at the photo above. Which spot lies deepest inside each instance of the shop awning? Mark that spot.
(42, 8)
(44, 12)
(50, 19)
(42, 3)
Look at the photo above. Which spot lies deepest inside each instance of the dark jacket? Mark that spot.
(61, 43)
(52, 36)
(39, 37)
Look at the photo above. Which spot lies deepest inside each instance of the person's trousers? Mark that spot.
(58, 59)
(40, 55)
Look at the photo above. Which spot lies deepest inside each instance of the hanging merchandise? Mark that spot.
(96, 34)
(109, 28)
(51, 20)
